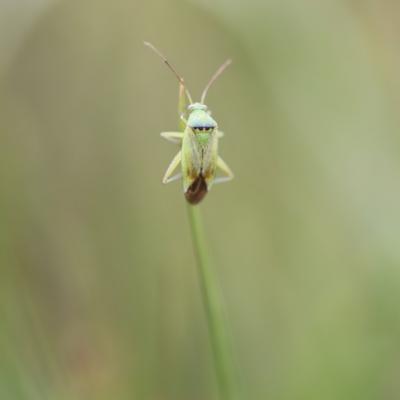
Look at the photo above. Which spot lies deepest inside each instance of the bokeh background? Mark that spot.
(99, 297)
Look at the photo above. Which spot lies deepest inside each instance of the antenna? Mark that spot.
(166, 62)
(219, 71)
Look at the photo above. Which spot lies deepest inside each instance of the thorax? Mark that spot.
(202, 126)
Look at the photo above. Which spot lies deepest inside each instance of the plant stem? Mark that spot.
(211, 294)
(213, 307)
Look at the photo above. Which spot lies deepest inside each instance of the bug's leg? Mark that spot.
(174, 178)
(182, 102)
(174, 137)
(182, 117)
(221, 164)
(171, 168)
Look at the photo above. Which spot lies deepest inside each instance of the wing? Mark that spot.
(199, 158)
(191, 159)
(210, 158)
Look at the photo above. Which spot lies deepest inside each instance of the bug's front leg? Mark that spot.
(174, 137)
(171, 168)
(221, 164)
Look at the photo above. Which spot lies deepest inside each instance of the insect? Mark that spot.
(198, 154)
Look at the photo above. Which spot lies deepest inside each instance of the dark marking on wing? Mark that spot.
(197, 190)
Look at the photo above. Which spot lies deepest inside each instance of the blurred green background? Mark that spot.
(99, 297)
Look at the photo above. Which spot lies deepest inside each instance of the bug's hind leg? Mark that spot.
(174, 178)
(221, 164)
(171, 168)
(174, 137)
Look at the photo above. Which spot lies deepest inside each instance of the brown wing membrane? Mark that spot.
(197, 190)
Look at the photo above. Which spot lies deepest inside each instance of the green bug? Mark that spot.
(199, 144)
